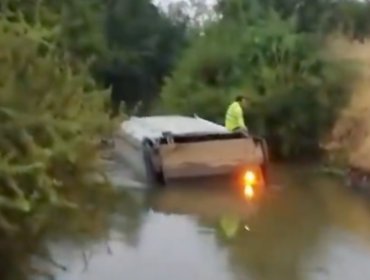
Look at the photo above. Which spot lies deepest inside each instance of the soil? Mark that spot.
(350, 136)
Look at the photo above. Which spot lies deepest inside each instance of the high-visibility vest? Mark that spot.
(234, 117)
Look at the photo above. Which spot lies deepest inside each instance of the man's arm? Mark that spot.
(241, 123)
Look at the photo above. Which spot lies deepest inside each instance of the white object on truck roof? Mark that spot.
(152, 127)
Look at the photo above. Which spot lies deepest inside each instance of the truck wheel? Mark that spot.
(153, 178)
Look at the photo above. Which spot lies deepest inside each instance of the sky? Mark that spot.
(166, 2)
(202, 13)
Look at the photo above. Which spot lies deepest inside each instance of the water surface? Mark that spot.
(310, 228)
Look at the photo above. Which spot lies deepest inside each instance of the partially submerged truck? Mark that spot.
(165, 148)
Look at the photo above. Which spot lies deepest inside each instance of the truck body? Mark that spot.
(174, 147)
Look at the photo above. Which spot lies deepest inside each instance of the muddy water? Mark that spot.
(308, 228)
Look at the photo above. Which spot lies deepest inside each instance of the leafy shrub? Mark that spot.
(51, 118)
(296, 90)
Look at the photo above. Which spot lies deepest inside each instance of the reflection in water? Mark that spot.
(170, 247)
(311, 229)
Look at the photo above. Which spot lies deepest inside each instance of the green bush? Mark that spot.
(296, 91)
(51, 119)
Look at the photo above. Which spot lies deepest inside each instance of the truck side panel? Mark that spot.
(208, 157)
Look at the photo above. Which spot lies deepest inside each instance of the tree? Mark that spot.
(323, 16)
(296, 90)
(131, 45)
(142, 45)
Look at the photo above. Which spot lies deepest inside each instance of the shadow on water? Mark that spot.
(311, 229)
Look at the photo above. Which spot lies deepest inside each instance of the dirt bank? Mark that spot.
(350, 138)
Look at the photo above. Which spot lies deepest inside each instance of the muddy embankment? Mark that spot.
(349, 141)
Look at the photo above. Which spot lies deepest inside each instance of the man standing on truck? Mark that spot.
(234, 118)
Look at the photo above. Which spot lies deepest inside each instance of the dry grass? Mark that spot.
(351, 133)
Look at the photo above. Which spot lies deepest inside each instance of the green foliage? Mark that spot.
(319, 16)
(52, 115)
(82, 29)
(132, 44)
(51, 121)
(295, 90)
(143, 44)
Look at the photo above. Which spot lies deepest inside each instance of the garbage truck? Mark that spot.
(179, 147)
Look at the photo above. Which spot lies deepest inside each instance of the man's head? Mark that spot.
(242, 100)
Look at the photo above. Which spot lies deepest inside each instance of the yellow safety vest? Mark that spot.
(234, 117)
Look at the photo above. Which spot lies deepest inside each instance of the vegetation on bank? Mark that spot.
(275, 57)
(349, 140)
(295, 89)
(57, 57)
(51, 119)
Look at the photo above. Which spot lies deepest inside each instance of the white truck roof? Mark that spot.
(152, 127)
